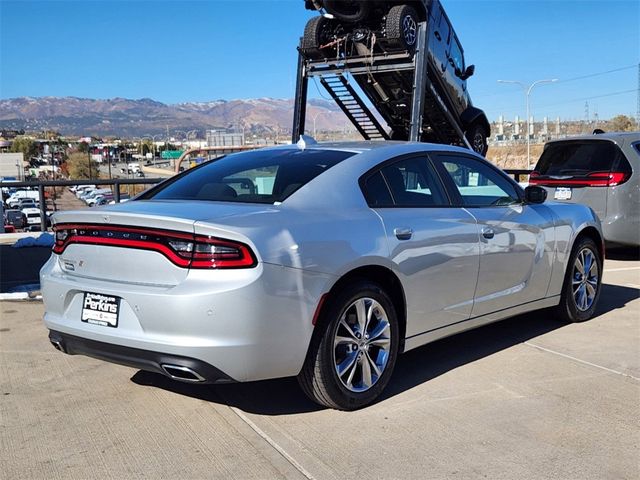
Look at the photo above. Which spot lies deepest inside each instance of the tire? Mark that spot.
(366, 363)
(580, 293)
(350, 11)
(401, 28)
(317, 32)
(477, 138)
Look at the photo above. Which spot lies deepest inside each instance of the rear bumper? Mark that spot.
(177, 367)
(251, 324)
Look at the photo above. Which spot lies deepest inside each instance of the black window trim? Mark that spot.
(378, 169)
(452, 191)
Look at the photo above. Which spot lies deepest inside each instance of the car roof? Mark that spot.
(611, 136)
(364, 146)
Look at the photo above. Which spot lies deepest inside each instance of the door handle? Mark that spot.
(488, 233)
(437, 35)
(403, 233)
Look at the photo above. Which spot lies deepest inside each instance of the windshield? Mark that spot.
(261, 176)
(577, 157)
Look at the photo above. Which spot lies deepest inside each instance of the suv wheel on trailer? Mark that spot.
(351, 11)
(317, 32)
(402, 27)
(477, 138)
(354, 350)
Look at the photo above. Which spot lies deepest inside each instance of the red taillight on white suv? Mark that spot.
(182, 249)
(595, 179)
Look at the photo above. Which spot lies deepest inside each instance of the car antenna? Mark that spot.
(304, 141)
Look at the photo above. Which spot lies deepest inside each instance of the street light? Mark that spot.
(315, 117)
(527, 92)
(153, 142)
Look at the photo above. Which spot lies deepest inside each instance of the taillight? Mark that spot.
(595, 179)
(212, 252)
(183, 249)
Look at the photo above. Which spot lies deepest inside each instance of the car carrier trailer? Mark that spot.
(389, 58)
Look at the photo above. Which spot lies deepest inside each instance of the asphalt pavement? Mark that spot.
(526, 398)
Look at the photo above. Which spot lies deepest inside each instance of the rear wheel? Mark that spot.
(350, 361)
(402, 27)
(583, 278)
(477, 138)
(318, 32)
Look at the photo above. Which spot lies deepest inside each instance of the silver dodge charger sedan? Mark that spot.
(321, 261)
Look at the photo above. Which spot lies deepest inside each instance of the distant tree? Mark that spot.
(622, 123)
(83, 147)
(26, 146)
(78, 166)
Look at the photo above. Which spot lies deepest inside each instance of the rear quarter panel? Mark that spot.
(571, 220)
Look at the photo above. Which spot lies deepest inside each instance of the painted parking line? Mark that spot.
(584, 362)
(624, 269)
(273, 443)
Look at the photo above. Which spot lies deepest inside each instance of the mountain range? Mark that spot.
(129, 118)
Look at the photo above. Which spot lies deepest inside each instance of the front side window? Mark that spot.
(477, 184)
(457, 60)
(261, 176)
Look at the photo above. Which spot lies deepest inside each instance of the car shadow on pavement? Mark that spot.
(623, 253)
(284, 397)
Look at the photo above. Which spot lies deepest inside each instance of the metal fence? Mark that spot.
(41, 185)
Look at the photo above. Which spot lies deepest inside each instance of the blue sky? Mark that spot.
(178, 51)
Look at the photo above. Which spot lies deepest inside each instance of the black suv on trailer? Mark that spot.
(366, 27)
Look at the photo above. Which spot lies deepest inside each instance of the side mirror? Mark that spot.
(471, 69)
(534, 194)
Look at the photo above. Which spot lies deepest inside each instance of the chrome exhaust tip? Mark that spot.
(184, 374)
(57, 344)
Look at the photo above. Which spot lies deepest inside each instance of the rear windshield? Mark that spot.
(577, 158)
(261, 176)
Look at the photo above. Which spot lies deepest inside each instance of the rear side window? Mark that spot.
(578, 158)
(262, 176)
(409, 182)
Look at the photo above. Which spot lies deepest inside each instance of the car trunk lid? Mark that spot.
(140, 242)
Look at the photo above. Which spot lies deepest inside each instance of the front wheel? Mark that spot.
(582, 282)
(476, 135)
(350, 361)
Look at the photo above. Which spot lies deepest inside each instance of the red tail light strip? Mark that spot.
(213, 253)
(597, 179)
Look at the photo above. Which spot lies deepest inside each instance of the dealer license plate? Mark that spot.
(99, 309)
(562, 193)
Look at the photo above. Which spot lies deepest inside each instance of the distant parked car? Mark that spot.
(16, 218)
(33, 218)
(601, 171)
(27, 203)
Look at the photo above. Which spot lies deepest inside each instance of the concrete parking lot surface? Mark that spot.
(524, 398)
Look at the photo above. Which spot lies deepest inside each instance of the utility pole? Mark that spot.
(638, 108)
(586, 117)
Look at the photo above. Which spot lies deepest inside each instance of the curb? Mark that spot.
(21, 296)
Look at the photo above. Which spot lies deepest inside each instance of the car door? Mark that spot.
(435, 247)
(517, 240)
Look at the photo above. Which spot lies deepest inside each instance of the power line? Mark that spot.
(591, 75)
(566, 80)
(612, 94)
